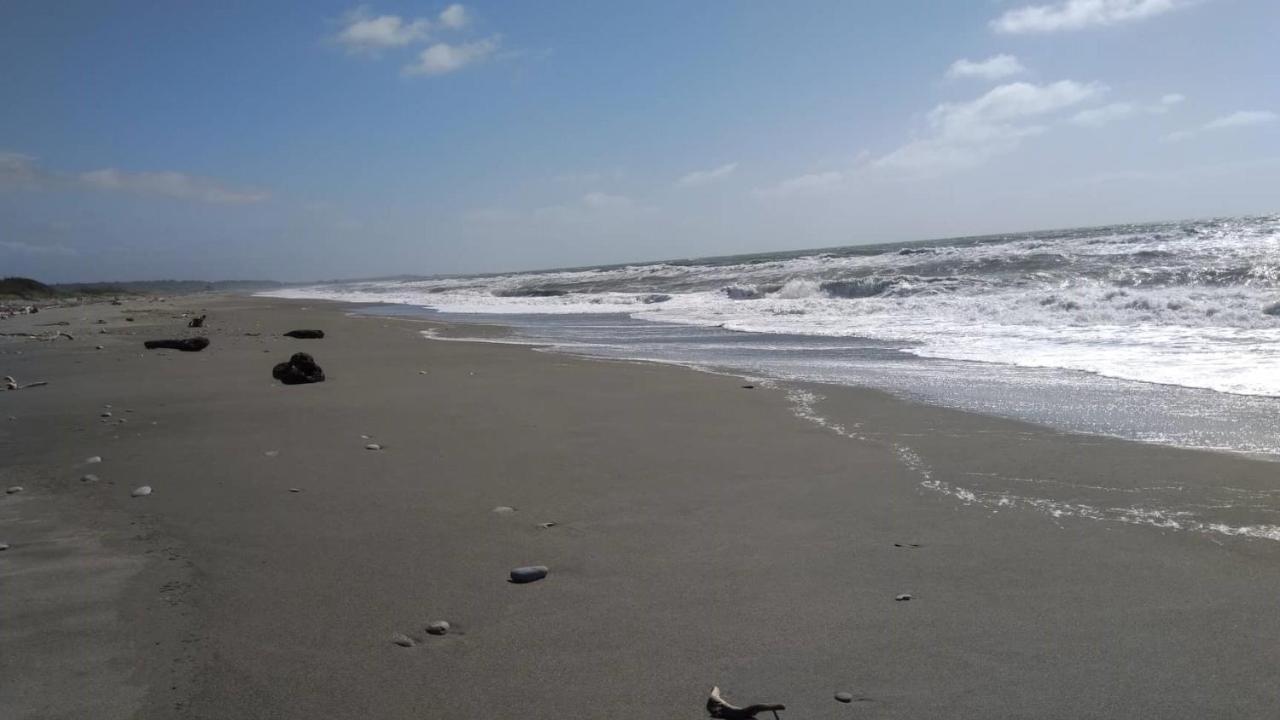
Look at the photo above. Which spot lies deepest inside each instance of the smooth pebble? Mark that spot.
(503, 510)
(4, 546)
(844, 697)
(94, 459)
(439, 627)
(373, 446)
(528, 574)
(14, 489)
(105, 413)
(402, 640)
(903, 597)
(89, 478)
(295, 489)
(143, 491)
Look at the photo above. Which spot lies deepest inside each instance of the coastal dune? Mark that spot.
(697, 533)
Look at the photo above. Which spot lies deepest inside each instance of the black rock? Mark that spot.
(197, 322)
(844, 697)
(531, 573)
(300, 370)
(306, 334)
(195, 344)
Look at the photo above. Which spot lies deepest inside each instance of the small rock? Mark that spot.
(547, 525)
(748, 387)
(504, 510)
(271, 453)
(89, 478)
(306, 334)
(422, 372)
(402, 640)
(301, 369)
(13, 490)
(94, 459)
(4, 546)
(105, 414)
(366, 437)
(97, 347)
(903, 597)
(528, 574)
(195, 344)
(295, 490)
(143, 491)
(844, 697)
(439, 627)
(373, 446)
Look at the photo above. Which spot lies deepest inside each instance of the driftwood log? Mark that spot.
(195, 344)
(718, 707)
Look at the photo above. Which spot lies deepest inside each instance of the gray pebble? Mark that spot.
(143, 491)
(402, 640)
(89, 478)
(94, 459)
(4, 546)
(504, 510)
(295, 490)
(844, 697)
(373, 446)
(97, 347)
(528, 574)
(13, 490)
(903, 597)
(439, 627)
(547, 525)
(105, 413)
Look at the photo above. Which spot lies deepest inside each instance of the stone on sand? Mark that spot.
(438, 627)
(94, 459)
(13, 490)
(195, 344)
(89, 478)
(504, 510)
(301, 369)
(306, 334)
(143, 491)
(402, 640)
(373, 446)
(903, 597)
(4, 546)
(528, 574)
(844, 697)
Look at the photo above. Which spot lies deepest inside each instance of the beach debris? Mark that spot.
(195, 344)
(4, 546)
(105, 414)
(844, 697)
(142, 491)
(373, 446)
(97, 347)
(438, 627)
(89, 478)
(10, 384)
(547, 525)
(903, 597)
(718, 707)
(306, 334)
(504, 510)
(300, 370)
(528, 574)
(13, 490)
(197, 322)
(402, 640)
(422, 372)
(271, 453)
(128, 319)
(748, 387)
(910, 546)
(295, 490)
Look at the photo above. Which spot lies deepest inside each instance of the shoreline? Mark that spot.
(705, 535)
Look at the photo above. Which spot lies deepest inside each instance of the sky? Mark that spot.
(310, 140)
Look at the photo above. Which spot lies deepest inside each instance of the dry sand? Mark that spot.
(704, 536)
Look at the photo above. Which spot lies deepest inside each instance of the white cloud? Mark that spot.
(1105, 115)
(171, 184)
(1243, 118)
(1239, 119)
(23, 171)
(1172, 99)
(443, 58)
(454, 17)
(804, 185)
(1079, 14)
(993, 68)
(969, 133)
(365, 33)
(706, 177)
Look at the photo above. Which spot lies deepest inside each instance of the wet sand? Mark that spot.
(704, 536)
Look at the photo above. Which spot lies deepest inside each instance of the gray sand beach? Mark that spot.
(696, 534)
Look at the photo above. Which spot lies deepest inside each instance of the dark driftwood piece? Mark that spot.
(197, 322)
(195, 344)
(306, 334)
(717, 707)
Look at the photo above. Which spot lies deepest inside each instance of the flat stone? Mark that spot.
(94, 459)
(143, 491)
(295, 490)
(844, 697)
(547, 525)
(271, 453)
(402, 640)
(528, 574)
(89, 478)
(373, 446)
(105, 414)
(4, 546)
(13, 490)
(438, 627)
(903, 597)
(504, 510)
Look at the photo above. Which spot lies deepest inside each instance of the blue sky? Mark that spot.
(320, 140)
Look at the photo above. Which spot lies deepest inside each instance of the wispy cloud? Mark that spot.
(444, 58)
(812, 183)
(23, 171)
(969, 133)
(706, 177)
(22, 248)
(363, 32)
(993, 68)
(1107, 114)
(1080, 14)
(1239, 119)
